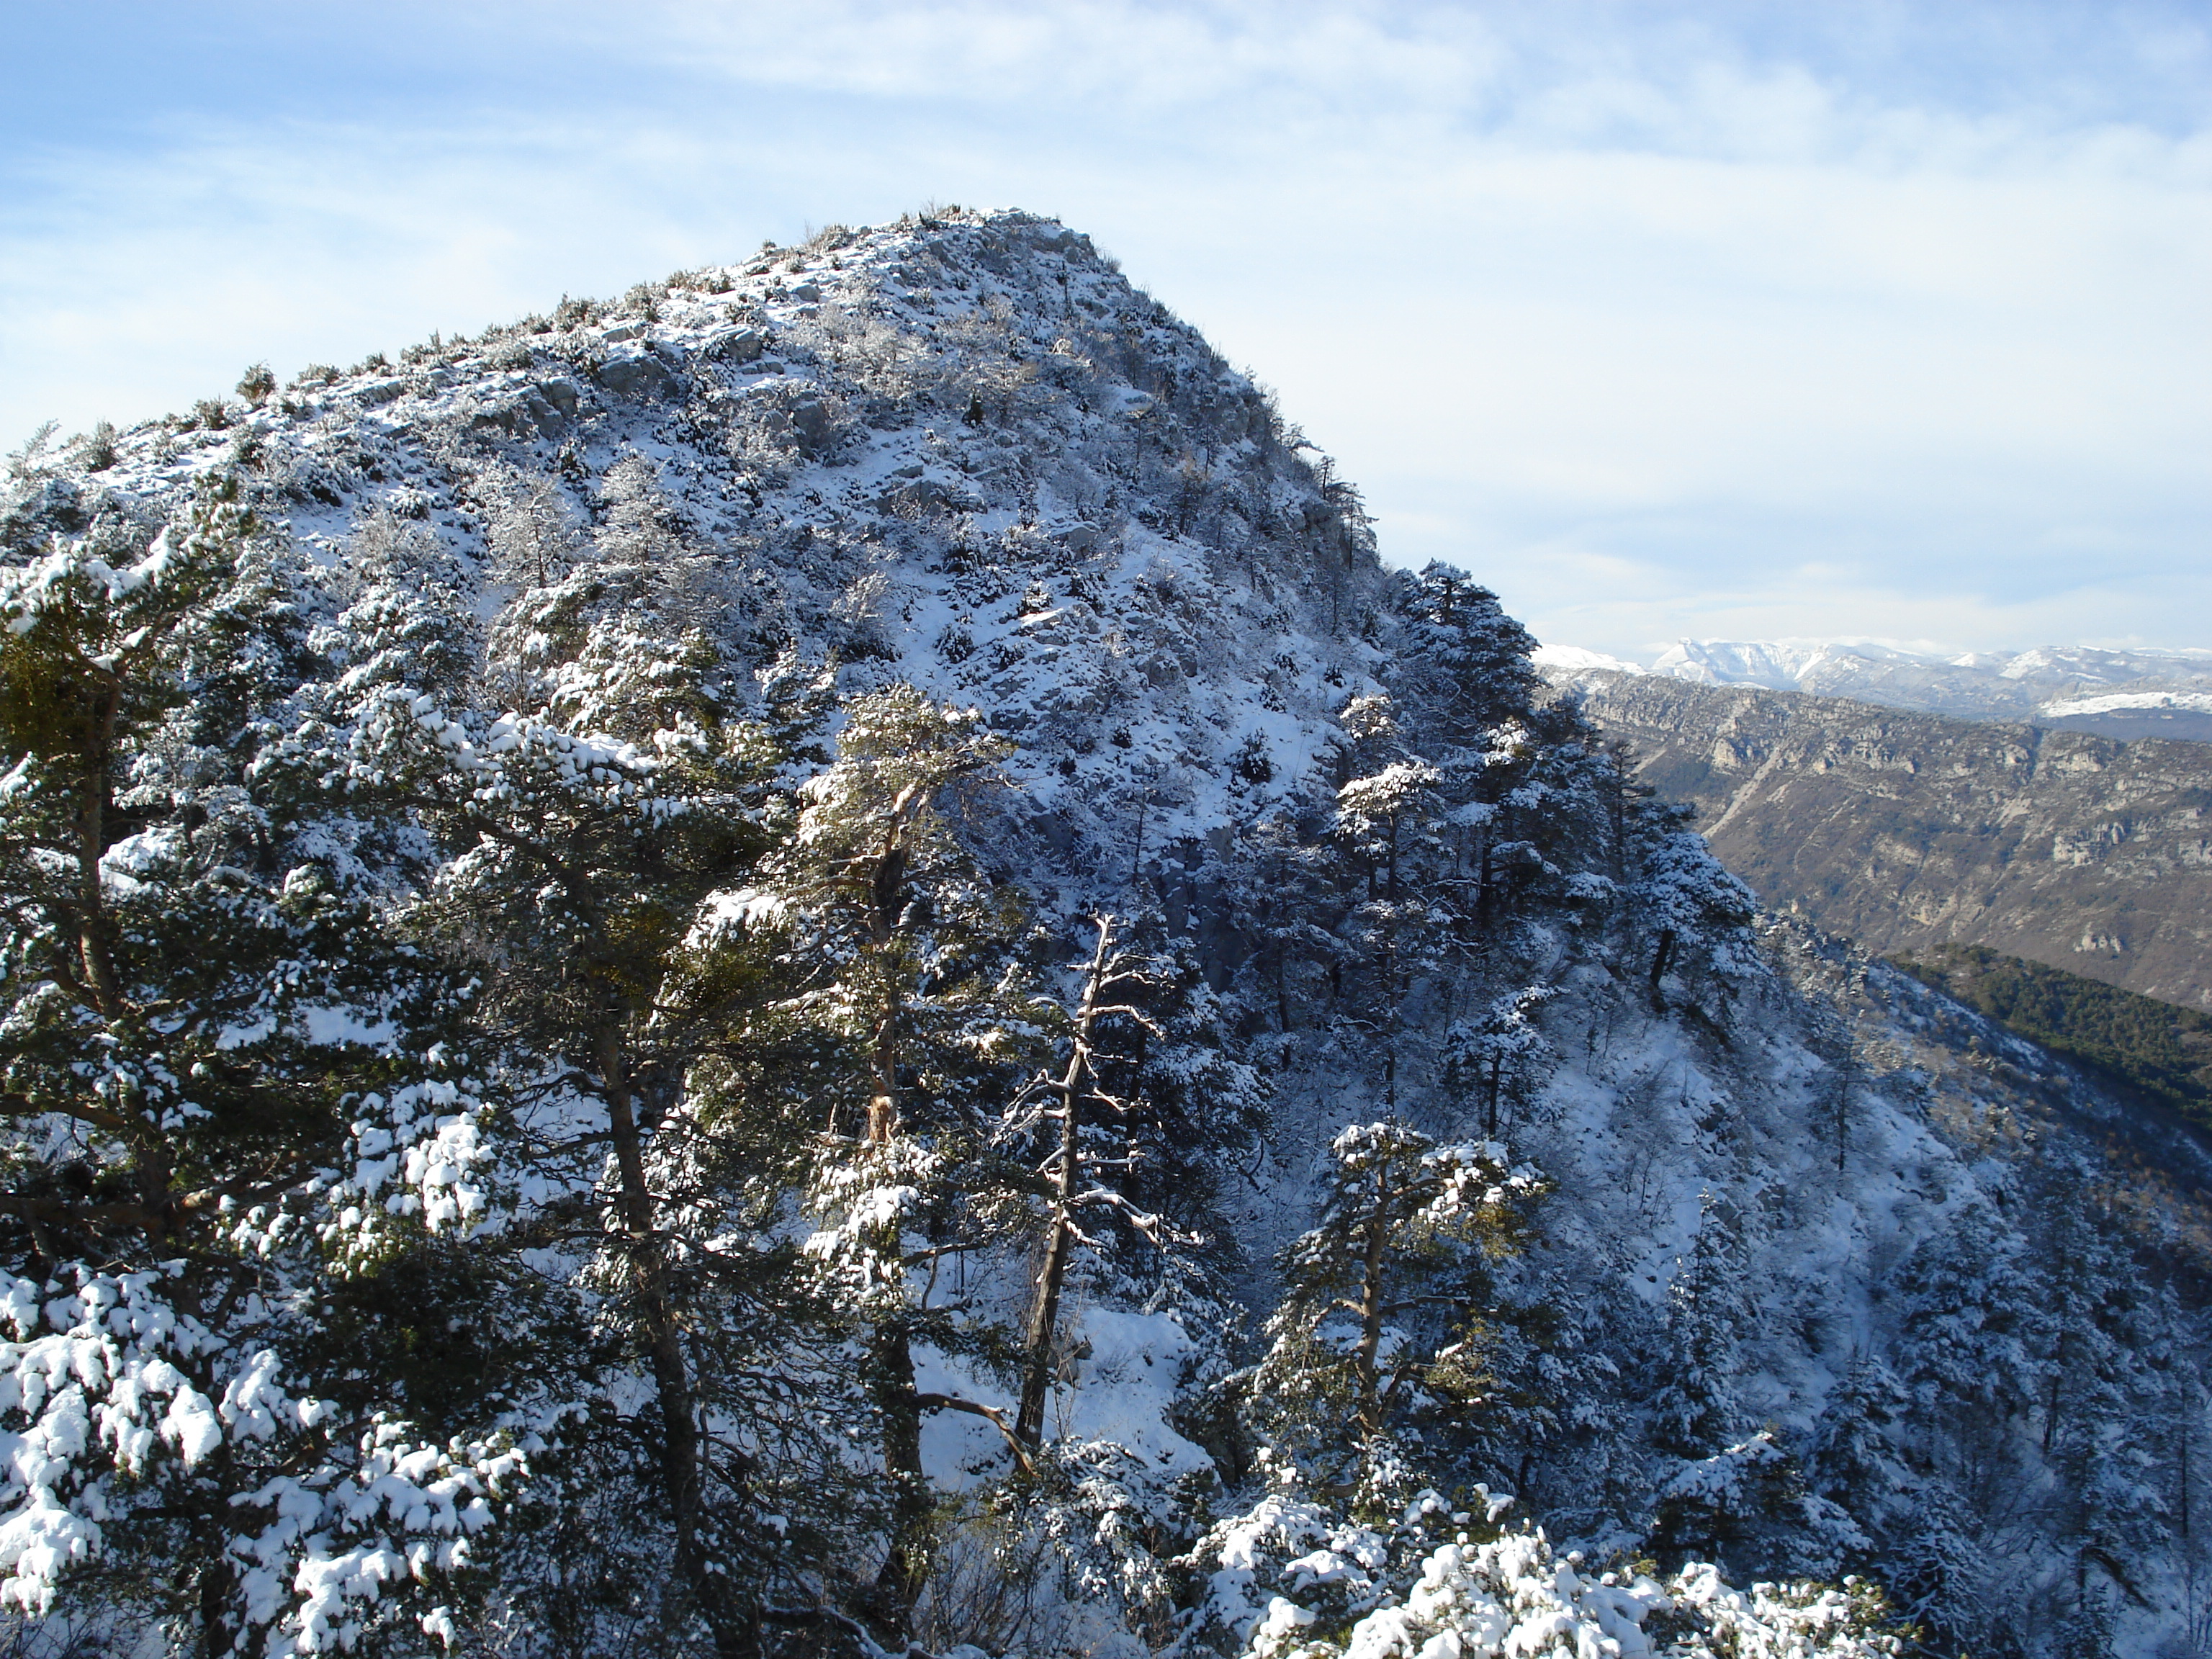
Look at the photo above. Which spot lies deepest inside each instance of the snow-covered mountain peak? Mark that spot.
(650, 771)
(1571, 660)
(962, 451)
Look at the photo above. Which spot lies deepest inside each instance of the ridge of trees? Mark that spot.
(548, 1169)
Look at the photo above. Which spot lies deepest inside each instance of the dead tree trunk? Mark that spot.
(1071, 1090)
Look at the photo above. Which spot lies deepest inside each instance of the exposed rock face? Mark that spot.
(1906, 830)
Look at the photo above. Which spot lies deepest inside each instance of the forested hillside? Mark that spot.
(819, 964)
(2163, 1051)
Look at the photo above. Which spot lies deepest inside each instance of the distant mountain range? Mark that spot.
(2116, 693)
(1909, 831)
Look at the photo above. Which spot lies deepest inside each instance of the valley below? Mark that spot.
(1907, 830)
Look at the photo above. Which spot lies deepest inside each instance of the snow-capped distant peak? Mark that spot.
(1568, 660)
(2114, 702)
(2047, 682)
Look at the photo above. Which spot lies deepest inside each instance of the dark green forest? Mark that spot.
(2149, 1045)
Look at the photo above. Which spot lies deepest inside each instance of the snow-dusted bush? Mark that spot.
(1392, 1591)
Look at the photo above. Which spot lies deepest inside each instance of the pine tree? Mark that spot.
(1939, 1575)
(2089, 1335)
(1960, 1349)
(1499, 1058)
(1076, 1101)
(1380, 1296)
(1688, 903)
(1735, 1496)
(1696, 1412)
(1467, 661)
(1386, 816)
(1853, 1461)
(588, 830)
(239, 1109)
(909, 958)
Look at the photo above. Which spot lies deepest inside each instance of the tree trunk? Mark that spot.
(735, 1635)
(2057, 1382)
(2186, 1437)
(1059, 1240)
(891, 1384)
(883, 1105)
(216, 1591)
(1369, 1407)
(1843, 1119)
(1659, 958)
(95, 939)
(95, 950)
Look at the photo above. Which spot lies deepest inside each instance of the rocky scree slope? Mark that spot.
(1827, 1279)
(1904, 831)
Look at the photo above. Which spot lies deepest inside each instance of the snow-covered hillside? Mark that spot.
(820, 959)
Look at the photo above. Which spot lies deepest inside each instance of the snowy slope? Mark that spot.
(1786, 1188)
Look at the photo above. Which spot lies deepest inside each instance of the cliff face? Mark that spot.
(1906, 830)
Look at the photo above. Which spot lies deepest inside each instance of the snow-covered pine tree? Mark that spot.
(1853, 1459)
(909, 959)
(585, 833)
(1696, 1412)
(241, 1117)
(2092, 1332)
(1694, 913)
(1735, 1496)
(1962, 1354)
(1379, 1300)
(1497, 1059)
(1073, 1102)
(1466, 661)
(1385, 814)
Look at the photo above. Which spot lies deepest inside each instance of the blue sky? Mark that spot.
(1738, 320)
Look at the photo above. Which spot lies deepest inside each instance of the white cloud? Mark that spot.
(1747, 320)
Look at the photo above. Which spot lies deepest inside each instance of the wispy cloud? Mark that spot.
(1746, 318)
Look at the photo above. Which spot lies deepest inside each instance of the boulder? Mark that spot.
(919, 494)
(633, 372)
(504, 420)
(810, 418)
(734, 345)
